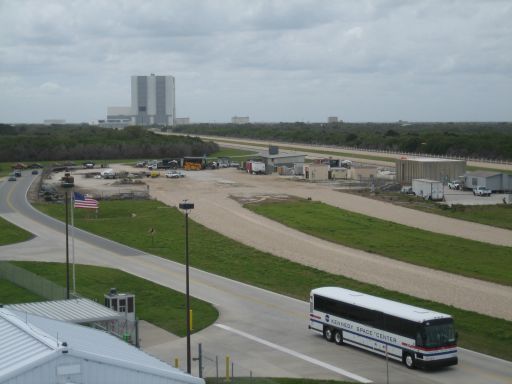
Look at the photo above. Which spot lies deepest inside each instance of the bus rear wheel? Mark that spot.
(409, 360)
(338, 337)
(328, 334)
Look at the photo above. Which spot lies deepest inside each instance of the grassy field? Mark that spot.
(10, 234)
(493, 215)
(215, 253)
(412, 245)
(159, 305)
(236, 154)
(499, 215)
(13, 294)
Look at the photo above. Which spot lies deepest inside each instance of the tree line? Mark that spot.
(477, 140)
(32, 143)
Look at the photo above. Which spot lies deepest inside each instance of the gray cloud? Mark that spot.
(271, 60)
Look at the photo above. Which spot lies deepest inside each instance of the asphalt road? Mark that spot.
(261, 331)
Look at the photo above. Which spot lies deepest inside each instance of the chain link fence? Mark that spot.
(218, 368)
(32, 282)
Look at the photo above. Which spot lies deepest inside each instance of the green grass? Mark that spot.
(11, 293)
(159, 305)
(232, 152)
(498, 215)
(447, 253)
(215, 253)
(10, 233)
(494, 215)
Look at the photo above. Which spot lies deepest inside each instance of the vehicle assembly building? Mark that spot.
(153, 103)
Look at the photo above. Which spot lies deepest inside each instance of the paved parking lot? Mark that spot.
(467, 198)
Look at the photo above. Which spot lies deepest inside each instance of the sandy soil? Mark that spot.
(216, 195)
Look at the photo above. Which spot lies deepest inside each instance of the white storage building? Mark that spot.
(35, 349)
(495, 181)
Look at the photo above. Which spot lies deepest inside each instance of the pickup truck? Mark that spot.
(482, 191)
(454, 184)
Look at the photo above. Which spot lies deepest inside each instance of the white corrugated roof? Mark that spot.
(73, 310)
(390, 307)
(36, 334)
(21, 344)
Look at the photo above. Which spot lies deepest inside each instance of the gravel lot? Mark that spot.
(217, 193)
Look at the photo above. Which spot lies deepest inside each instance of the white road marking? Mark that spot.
(297, 354)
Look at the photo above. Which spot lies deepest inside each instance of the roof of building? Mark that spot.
(21, 345)
(74, 310)
(32, 340)
(483, 173)
(427, 181)
(430, 159)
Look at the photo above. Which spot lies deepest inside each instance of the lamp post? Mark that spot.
(67, 183)
(187, 207)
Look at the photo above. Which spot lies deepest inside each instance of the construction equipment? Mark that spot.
(189, 166)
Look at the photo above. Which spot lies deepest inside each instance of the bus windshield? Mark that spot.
(439, 335)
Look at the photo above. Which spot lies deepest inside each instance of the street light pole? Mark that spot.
(67, 183)
(187, 207)
(67, 244)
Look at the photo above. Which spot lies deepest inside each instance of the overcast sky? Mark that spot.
(437, 60)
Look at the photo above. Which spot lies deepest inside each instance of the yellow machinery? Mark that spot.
(189, 166)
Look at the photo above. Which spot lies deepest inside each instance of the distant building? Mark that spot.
(182, 121)
(54, 121)
(119, 117)
(153, 103)
(495, 181)
(332, 119)
(240, 120)
(153, 100)
(273, 158)
(316, 172)
(428, 168)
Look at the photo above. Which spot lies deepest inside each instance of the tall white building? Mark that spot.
(153, 103)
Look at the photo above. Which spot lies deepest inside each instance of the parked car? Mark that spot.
(455, 184)
(174, 174)
(482, 191)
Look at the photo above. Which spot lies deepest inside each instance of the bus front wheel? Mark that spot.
(409, 360)
(338, 337)
(328, 334)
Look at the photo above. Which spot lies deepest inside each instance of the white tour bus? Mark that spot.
(418, 337)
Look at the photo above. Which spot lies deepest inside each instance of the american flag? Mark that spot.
(82, 201)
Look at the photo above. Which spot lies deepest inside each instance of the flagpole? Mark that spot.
(73, 238)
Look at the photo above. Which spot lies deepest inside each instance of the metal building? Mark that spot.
(428, 168)
(273, 158)
(495, 181)
(39, 350)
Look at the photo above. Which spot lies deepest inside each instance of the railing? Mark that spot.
(32, 282)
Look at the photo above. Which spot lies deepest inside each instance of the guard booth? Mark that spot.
(123, 303)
